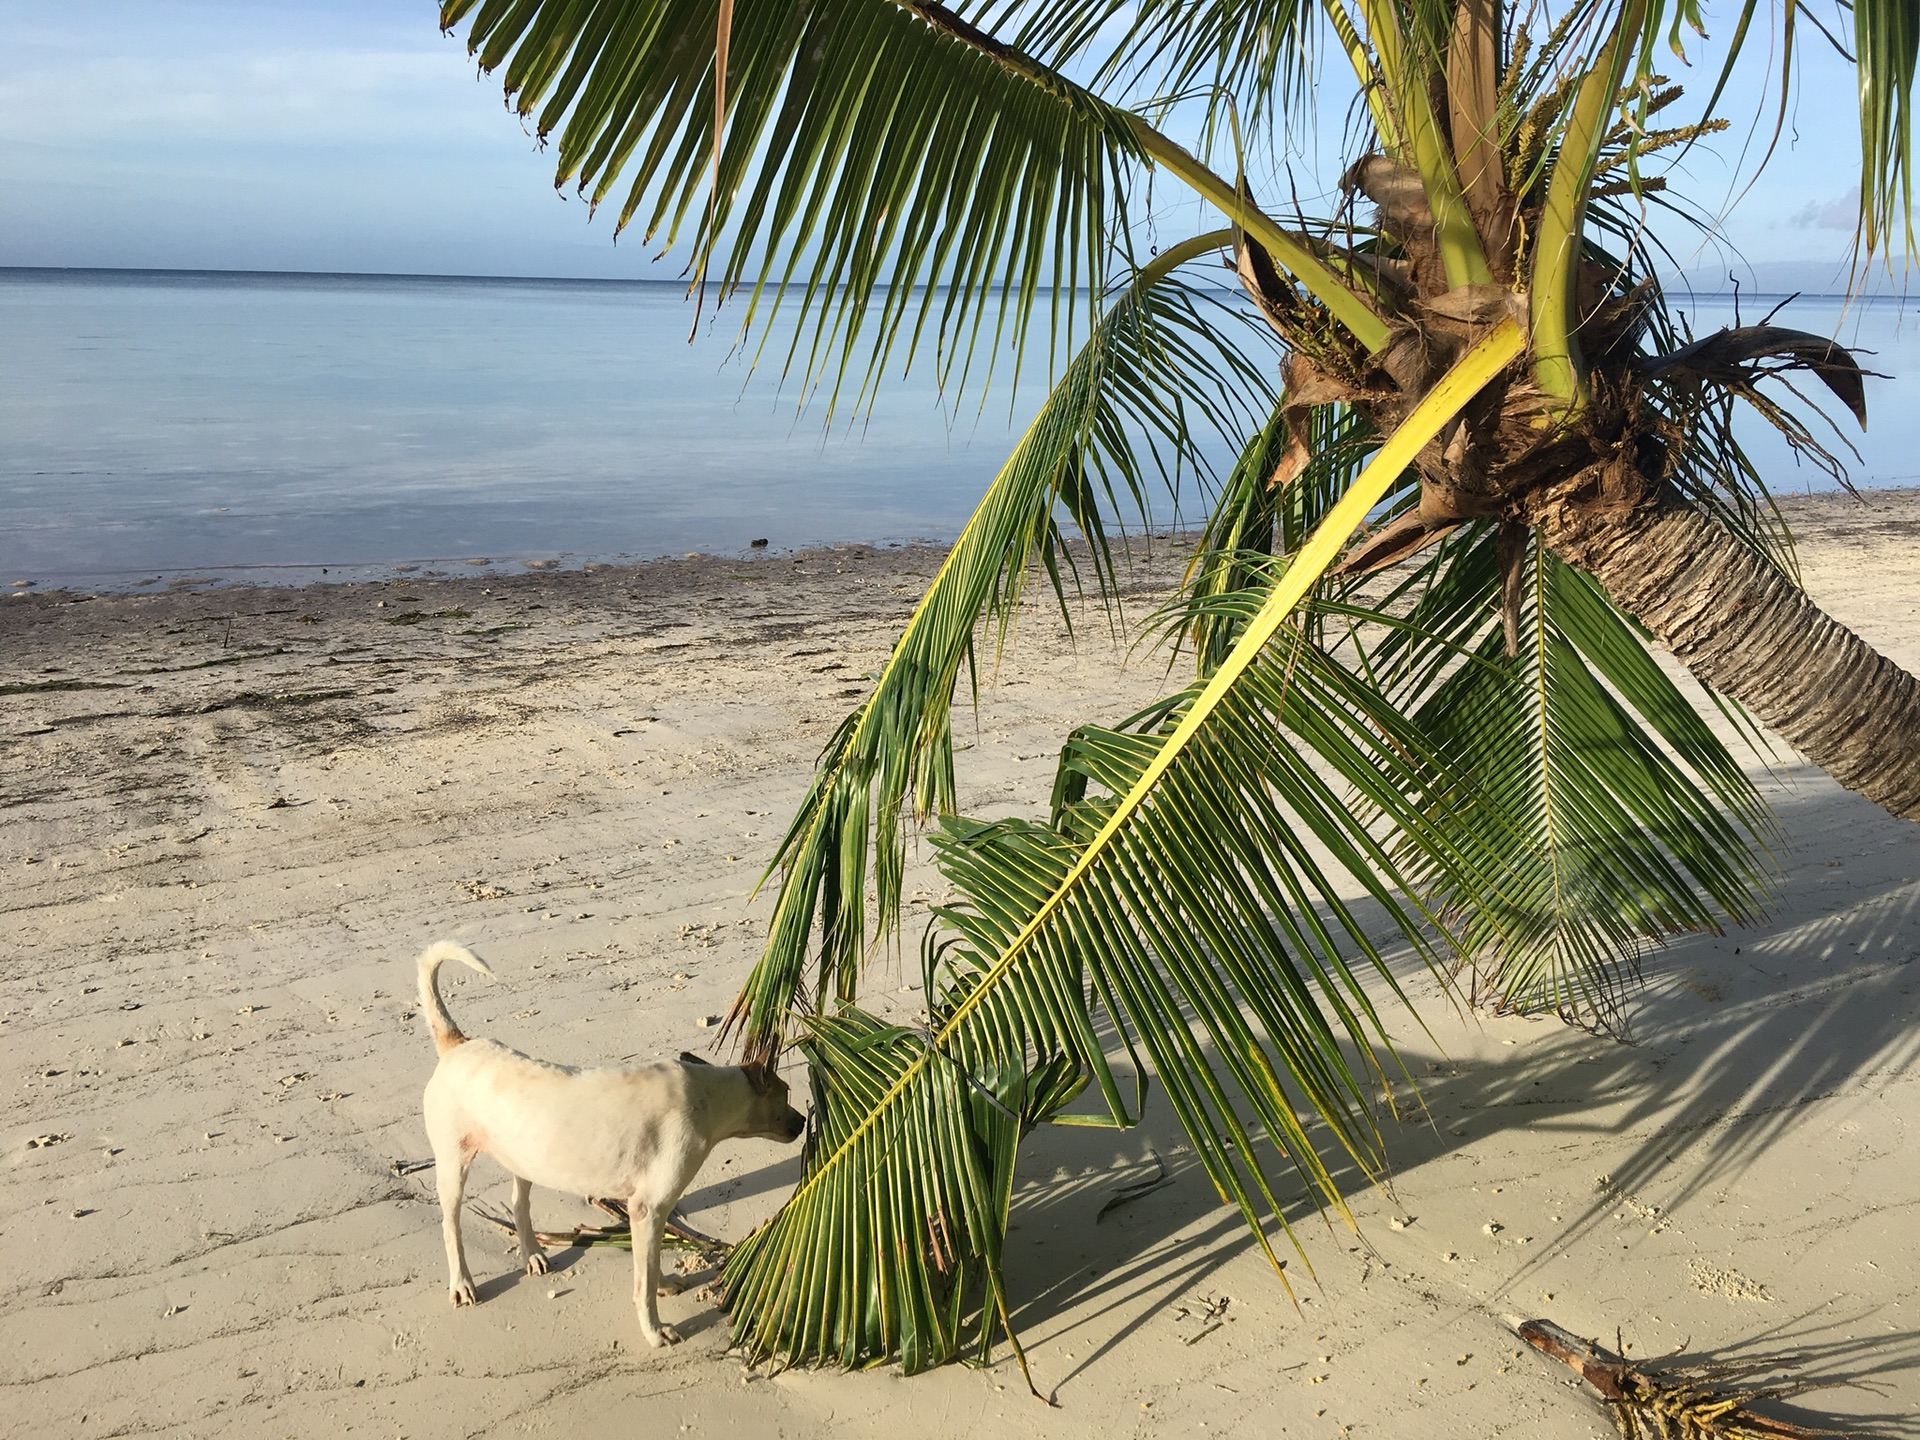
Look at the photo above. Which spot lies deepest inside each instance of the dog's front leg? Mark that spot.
(649, 1220)
(450, 1178)
(531, 1254)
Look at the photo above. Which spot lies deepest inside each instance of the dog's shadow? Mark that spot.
(777, 1177)
(704, 1314)
(700, 1321)
(560, 1259)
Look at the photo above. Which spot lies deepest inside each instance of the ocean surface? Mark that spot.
(156, 426)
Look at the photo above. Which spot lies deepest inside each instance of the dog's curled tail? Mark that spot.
(446, 1034)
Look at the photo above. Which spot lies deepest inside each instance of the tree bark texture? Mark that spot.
(1748, 631)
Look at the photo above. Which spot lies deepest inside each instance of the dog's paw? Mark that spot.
(668, 1336)
(537, 1263)
(462, 1294)
(672, 1285)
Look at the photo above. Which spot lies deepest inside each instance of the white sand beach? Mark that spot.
(234, 816)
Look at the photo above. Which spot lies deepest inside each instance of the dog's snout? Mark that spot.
(796, 1124)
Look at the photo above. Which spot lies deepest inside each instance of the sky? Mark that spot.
(351, 135)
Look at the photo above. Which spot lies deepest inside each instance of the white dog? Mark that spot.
(639, 1133)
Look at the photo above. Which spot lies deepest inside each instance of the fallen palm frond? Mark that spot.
(1690, 1402)
(618, 1235)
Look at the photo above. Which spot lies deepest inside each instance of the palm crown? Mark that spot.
(1454, 714)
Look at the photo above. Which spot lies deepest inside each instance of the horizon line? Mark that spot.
(238, 273)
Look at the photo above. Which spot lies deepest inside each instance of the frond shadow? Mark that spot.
(1074, 1269)
(1737, 1037)
(1815, 1348)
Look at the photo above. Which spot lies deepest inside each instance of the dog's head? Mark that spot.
(771, 1117)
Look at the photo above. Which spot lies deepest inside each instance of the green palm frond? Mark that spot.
(1158, 375)
(1886, 37)
(1238, 540)
(1626, 818)
(899, 177)
(1581, 135)
(1213, 936)
(1254, 519)
(1193, 903)
(1255, 57)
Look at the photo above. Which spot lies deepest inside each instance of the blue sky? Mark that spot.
(352, 135)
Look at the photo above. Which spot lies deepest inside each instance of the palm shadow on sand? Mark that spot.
(1734, 1039)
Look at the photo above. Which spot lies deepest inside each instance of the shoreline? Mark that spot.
(1825, 508)
(235, 815)
(301, 575)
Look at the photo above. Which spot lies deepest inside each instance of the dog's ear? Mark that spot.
(687, 1057)
(759, 1076)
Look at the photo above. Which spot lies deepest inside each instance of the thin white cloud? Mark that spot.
(308, 96)
(1840, 213)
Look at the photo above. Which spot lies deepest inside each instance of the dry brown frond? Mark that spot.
(1694, 1402)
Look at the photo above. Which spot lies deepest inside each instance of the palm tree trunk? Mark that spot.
(1748, 631)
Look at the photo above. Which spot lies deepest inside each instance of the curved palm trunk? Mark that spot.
(1748, 631)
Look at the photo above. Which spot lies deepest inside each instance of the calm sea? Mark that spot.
(155, 425)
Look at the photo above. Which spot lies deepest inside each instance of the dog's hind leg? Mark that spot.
(530, 1252)
(649, 1219)
(450, 1178)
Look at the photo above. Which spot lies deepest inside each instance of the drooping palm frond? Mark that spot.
(868, 157)
(1190, 902)
(1213, 937)
(1609, 814)
(1627, 818)
(1159, 375)
(1886, 38)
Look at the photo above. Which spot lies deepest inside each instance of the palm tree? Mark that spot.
(1477, 468)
